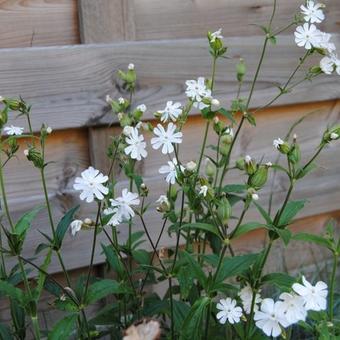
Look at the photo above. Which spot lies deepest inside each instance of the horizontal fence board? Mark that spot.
(38, 23)
(67, 85)
(322, 187)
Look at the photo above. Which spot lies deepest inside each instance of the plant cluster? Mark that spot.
(212, 292)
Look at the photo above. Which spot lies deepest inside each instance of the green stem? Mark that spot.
(332, 286)
(172, 324)
(92, 251)
(3, 193)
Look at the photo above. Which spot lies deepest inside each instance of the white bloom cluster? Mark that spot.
(166, 138)
(136, 145)
(172, 111)
(120, 208)
(272, 316)
(309, 36)
(197, 91)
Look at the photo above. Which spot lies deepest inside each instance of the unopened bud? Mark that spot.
(250, 165)
(226, 139)
(131, 66)
(259, 178)
(191, 166)
(163, 204)
(240, 70)
(240, 164)
(294, 154)
(49, 130)
(210, 169)
(281, 145)
(334, 136)
(224, 210)
(215, 104)
(144, 190)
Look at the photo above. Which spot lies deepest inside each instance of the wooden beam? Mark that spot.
(38, 23)
(67, 85)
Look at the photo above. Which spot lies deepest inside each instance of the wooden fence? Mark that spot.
(67, 86)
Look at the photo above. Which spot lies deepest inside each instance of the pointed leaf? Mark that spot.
(195, 268)
(247, 227)
(290, 211)
(319, 240)
(102, 288)
(63, 328)
(25, 221)
(263, 213)
(202, 226)
(63, 225)
(281, 280)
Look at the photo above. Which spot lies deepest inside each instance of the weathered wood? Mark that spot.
(106, 20)
(38, 23)
(67, 85)
(101, 21)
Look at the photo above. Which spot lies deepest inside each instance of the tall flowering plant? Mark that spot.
(211, 290)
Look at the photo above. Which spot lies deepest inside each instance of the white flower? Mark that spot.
(292, 307)
(170, 170)
(322, 40)
(216, 35)
(269, 164)
(75, 227)
(26, 152)
(121, 100)
(115, 219)
(127, 131)
(334, 135)
(196, 90)
(215, 104)
(229, 131)
(163, 204)
(163, 199)
(136, 145)
(307, 36)
(247, 159)
(165, 138)
(141, 107)
(312, 12)
(228, 311)
(171, 111)
(315, 297)
(49, 130)
(255, 197)
(246, 295)
(91, 184)
(131, 66)
(121, 206)
(203, 190)
(270, 318)
(277, 142)
(13, 130)
(327, 65)
(191, 166)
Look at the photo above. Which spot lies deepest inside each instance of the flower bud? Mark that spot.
(163, 204)
(240, 164)
(294, 154)
(125, 120)
(218, 125)
(173, 193)
(210, 169)
(131, 67)
(49, 130)
(224, 149)
(215, 104)
(252, 194)
(250, 165)
(259, 178)
(240, 70)
(331, 134)
(281, 145)
(144, 190)
(224, 210)
(227, 139)
(13, 104)
(35, 157)
(191, 166)
(3, 117)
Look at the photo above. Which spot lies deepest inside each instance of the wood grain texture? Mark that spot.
(107, 20)
(26, 23)
(67, 85)
(322, 187)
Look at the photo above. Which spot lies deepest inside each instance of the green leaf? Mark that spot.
(290, 211)
(233, 266)
(13, 292)
(181, 311)
(202, 226)
(263, 213)
(5, 332)
(195, 268)
(42, 276)
(302, 172)
(192, 328)
(281, 280)
(251, 119)
(247, 227)
(284, 234)
(63, 328)
(25, 221)
(236, 188)
(63, 225)
(113, 259)
(319, 240)
(227, 114)
(141, 256)
(102, 288)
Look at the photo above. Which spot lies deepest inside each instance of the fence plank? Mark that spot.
(38, 23)
(67, 85)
